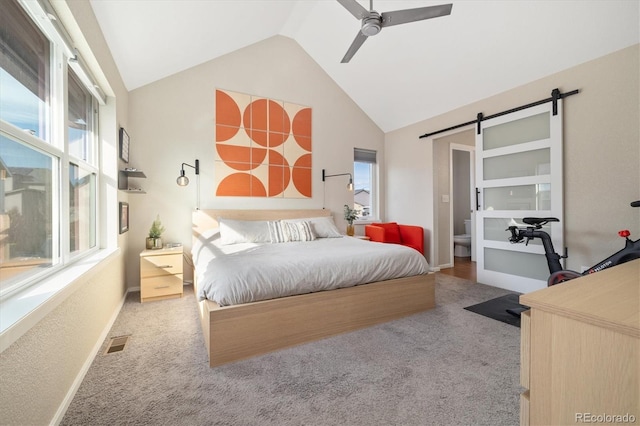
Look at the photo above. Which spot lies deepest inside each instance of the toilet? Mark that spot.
(462, 243)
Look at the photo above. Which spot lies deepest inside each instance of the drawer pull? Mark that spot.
(165, 266)
(162, 286)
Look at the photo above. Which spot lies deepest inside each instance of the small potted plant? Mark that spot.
(155, 232)
(350, 215)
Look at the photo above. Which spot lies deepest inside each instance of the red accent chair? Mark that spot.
(390, 232)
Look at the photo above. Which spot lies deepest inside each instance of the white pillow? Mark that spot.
(286, 231)
(243, 231)
(323, 227)
(276, 232)
(298, 231)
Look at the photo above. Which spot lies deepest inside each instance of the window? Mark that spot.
(26, 217)
(82, 180)
(24, 74)
(82, 209)
(79, 119)
(44, 224)
(365, 189)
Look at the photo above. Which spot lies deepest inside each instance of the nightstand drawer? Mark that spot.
(161, 287)
(164, 264)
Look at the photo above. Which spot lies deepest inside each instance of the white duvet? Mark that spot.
(249, 272)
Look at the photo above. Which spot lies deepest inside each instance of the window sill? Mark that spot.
(366, 222)
(24, 309)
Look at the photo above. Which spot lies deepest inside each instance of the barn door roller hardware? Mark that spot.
(555, 95)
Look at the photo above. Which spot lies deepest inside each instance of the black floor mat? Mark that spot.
(497, 309)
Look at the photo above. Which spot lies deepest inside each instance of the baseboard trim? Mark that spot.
(62, 409)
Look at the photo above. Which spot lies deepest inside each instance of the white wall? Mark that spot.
(409, 182)
(40, 371)
(172, 121)
(601, 147)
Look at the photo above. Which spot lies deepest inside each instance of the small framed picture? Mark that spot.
(124, 217)
(124, 145)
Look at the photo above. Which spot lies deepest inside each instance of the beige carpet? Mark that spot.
(447, 366)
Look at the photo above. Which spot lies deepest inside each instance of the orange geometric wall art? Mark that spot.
(263, 147)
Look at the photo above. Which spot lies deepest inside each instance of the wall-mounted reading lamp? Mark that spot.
(184, 181)
(349, 185)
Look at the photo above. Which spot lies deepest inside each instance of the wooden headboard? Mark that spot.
(203, 220)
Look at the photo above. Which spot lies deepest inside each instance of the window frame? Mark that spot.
(85, 165)
(370, 157)
(54, 142)
(33, 142)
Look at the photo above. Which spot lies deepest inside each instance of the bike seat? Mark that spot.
(535, 221)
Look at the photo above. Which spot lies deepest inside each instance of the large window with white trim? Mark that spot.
(48, 155)
(365, 193)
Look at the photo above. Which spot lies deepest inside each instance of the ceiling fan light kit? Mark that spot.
(373, 22)
(371, 25)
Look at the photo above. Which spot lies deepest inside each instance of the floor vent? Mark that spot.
(117, 344)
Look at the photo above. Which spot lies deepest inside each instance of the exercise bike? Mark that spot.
(558, 274)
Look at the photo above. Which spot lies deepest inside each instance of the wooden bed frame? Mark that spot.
(237, 332)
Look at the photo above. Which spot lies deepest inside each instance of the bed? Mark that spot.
(239, 329)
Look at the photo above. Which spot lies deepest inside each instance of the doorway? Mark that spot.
(462, 180)
(442, 192)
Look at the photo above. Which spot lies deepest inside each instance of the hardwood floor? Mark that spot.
(464, 268)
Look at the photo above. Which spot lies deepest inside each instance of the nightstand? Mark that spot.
(161, 274)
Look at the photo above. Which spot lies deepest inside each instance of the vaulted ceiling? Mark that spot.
(403, 75)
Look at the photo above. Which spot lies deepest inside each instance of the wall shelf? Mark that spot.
(123, 181)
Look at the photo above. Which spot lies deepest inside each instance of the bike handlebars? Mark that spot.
(635, 203)
(515, 236)
(534, 223)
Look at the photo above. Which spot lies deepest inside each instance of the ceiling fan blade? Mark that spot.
(355, 8)
(357, 42)
(411, 15)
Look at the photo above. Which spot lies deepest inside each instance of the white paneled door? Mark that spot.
(518, 174)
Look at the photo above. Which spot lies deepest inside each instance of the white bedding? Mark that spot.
(248, 272)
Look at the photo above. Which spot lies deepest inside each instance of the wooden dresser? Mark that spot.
(580, 350)
(161, 274)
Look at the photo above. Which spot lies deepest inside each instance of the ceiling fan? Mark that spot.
(373, 22)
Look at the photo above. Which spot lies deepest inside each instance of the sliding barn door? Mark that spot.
(518, 174)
